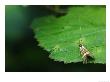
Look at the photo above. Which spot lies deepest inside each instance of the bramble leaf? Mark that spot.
(60, 36)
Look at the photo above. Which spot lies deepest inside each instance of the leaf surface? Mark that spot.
(60, 36)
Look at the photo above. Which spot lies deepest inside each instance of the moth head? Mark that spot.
(80, 45)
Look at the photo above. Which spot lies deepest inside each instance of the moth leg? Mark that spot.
(84, 55)
(85, 60)
(80, 53)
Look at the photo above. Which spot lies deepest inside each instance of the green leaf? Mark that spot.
(60, 36)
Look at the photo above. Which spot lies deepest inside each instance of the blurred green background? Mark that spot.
(22, 53)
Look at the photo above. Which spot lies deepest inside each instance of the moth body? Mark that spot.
(85, 53)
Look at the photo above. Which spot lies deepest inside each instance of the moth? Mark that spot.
(86, 55)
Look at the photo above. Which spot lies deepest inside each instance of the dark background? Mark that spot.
(21, 51)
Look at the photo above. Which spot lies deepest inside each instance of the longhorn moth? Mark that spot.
(86, 55)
